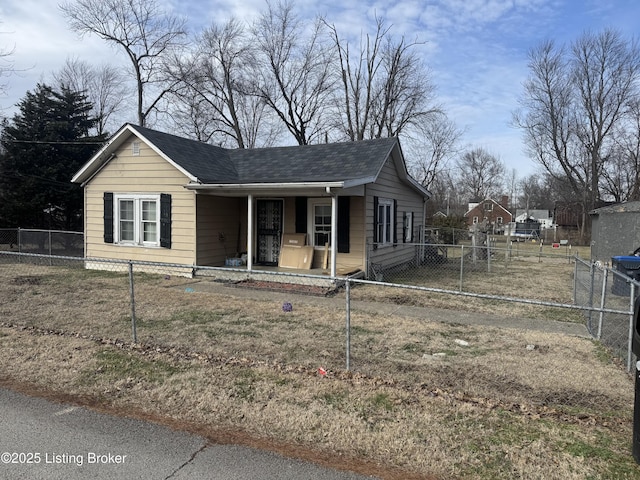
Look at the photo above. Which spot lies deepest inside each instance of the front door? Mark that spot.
(269, 230)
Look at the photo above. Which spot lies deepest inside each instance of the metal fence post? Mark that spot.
(591, 288)
(632, 298)
(575, 284)
(488, 254)
(348, 308)
(50, 250)
(133, 304)
(461, 264)
(602, 302)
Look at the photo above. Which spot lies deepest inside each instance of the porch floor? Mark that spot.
(319, 277)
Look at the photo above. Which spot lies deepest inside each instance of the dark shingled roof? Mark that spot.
(201, 160)
(307, 163)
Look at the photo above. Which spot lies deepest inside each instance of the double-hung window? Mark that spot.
(137, 219)
(385, 219)
(320, 222)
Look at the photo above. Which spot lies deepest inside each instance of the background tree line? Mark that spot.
(281, 78)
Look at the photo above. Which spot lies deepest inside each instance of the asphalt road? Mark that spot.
(40, 439)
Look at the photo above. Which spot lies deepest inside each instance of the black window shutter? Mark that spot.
(301, 214)
(108, 217)
(344, 206)
(407, 228)
(375, 223)
(411, 239)
(165, 220)
(395, 223)
(404, 227)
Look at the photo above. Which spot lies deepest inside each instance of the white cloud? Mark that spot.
(476, 49)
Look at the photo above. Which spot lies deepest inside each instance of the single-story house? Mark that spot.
(153, 196)
(615, 230)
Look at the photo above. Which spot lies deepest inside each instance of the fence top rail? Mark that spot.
(325, 277)
(490, 297)
(39, 230)
(166, 265)
(604, 267)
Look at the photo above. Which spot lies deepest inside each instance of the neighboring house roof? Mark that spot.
(473, 206)
(342, 164)
(537, 214)
(625, 207)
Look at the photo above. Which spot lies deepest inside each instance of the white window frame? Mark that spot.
(408, 227)
(312, 204)
(475, 219)
(386, 219)
(138, 220)
(135, 148)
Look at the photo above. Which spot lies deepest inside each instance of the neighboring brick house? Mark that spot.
(495, 215)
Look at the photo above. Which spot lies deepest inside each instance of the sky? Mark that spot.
(476, 50)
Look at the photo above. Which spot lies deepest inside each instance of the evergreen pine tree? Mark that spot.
(42, 147)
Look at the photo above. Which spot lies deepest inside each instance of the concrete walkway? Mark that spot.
(338, 302)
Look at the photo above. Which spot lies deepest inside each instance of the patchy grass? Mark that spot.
(427, 397)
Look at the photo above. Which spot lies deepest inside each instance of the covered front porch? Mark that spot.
(246, 231)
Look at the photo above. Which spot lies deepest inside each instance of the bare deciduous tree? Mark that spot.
(217, 93)
(547, 120)
(385, 87)
(145, 32)
(6, 67)
(293, 70)
(358, 75)
(437, 142)
(605, 71)
(574, 104)
(480, 174)
(407, 92)
(622, 180)
(103, 87)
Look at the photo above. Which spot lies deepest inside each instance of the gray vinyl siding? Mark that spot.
(389, 186)
(614, 234)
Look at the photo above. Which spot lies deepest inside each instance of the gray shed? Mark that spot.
(615, 230)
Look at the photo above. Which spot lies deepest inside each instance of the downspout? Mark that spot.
(334, 231)
(249, 232)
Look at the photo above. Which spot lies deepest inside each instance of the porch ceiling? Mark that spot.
(324, 189)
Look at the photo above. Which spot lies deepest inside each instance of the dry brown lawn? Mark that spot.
(424, 398)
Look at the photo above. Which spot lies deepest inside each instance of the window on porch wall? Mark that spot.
(313, 217)
(321, 225)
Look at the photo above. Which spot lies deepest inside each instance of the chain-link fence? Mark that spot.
(512, 270)
(608, 295)
(405, 333)
(48, 242)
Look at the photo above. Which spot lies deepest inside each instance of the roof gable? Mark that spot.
(480, 207)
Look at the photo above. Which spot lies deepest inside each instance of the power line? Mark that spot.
(43, 142)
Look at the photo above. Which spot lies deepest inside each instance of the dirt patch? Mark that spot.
(27, 280)
(286, 288)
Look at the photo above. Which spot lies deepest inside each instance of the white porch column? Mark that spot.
(250, 232)
(334, 233)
